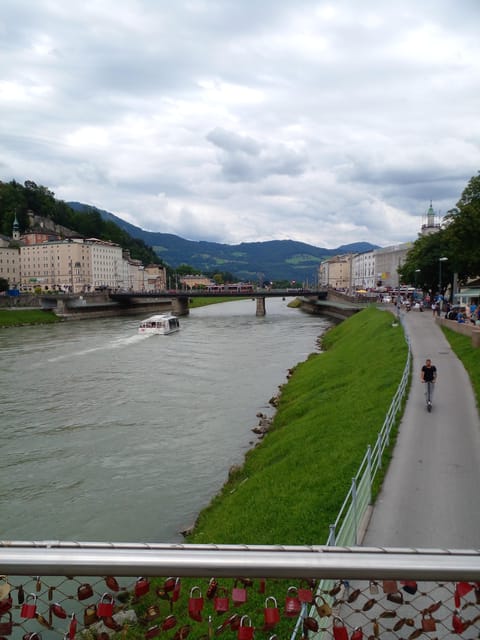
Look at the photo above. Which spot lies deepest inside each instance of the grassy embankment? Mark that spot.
(470, 357)
(293, 483)
(18, 317)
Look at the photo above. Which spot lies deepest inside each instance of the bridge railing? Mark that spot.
(83, 590)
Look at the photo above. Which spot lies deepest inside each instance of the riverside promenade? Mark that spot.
(431, 493)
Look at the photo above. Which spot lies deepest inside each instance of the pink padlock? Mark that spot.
(293, 606)
(105, 606)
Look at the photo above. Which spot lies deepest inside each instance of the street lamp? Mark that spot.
(440, 260)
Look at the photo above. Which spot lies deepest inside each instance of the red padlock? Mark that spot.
(112, 583)
(169, 584)
(305, 594)
(84, 591)
(72, 628)
(239, 595)
(169, 622)
(262, 585)
(58, 610)
(339, 629)
(195, 604)
(29, 607)
(357, 634)
(463, 588)
(410, 586)
(293, 606)
(221, 603)
(6, 604)
(142, 586)
(457, 623)
(105, 606)
(176, 590)
(245, 630)
(271, 615)
(6, 626)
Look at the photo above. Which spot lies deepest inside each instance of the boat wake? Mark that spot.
(114, 344)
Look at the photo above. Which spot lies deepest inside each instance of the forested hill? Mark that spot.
(272, 260)
(16, 200)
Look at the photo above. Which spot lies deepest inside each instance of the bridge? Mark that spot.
(182, 296)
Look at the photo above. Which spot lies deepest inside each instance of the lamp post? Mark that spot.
(416, 271)
(440, 260)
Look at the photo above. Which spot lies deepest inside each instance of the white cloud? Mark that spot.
(239, 121)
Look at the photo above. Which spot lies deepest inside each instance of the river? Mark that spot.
(107, 435)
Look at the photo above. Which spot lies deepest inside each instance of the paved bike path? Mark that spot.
(431, 493)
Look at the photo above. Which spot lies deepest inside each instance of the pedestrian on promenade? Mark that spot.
(428, 374)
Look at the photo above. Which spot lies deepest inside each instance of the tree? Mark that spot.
(463, 232)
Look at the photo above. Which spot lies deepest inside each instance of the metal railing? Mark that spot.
(73, 592)
(345, 529)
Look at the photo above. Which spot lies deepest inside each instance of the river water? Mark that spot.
(107, 435)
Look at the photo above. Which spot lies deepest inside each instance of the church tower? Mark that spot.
(16, 228)
(430, 223)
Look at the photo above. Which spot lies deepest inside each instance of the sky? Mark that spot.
(245, 120)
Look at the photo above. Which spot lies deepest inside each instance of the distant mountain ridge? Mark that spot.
(273, 259)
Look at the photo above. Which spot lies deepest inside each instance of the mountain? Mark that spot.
(273, 259)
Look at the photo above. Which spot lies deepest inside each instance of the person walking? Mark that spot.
(428, 375)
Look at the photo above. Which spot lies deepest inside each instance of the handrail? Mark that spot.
(229, 561)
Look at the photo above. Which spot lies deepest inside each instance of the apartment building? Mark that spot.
(336, 272)
(9, 262)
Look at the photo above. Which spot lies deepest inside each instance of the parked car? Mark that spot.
(386, 299)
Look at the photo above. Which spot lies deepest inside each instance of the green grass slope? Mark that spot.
(293, 483)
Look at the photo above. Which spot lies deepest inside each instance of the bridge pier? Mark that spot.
(260, 307)
(180, 306)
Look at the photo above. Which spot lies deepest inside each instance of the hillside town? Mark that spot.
(49, 257)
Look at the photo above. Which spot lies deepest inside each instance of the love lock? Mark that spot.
(176, 590)
(271, 615)
(305, 594)
(221, 602)
(6, 626)
(323, 609)
(357, 634)
(29, 607)
(245, 630)
(142, 586)
(5, 587)
(58, 610)
(293, 606)
(195, 604)
(239, 595)
(339, 629)
(112, 583)
(105, 606)
(84, 591)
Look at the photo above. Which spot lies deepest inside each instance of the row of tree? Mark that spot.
(16, 200)
(454, 250)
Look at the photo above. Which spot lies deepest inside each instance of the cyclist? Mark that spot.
(428, 375)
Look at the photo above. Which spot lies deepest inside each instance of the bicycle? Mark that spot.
(429, 394)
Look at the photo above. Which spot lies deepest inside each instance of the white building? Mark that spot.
(363, 271)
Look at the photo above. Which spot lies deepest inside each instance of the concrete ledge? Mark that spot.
(466, 329)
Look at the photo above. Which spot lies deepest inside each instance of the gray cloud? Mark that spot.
(238, 121)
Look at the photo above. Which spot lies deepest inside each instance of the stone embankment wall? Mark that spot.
(466, 329)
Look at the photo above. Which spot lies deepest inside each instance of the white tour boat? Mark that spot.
(161, 324)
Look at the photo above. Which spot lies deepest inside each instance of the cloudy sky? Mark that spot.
(245, 120)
